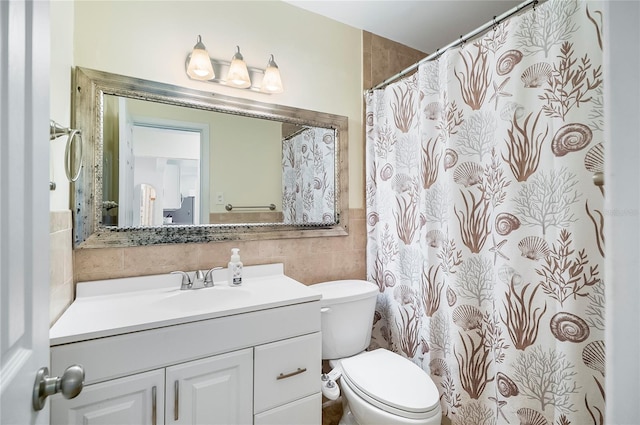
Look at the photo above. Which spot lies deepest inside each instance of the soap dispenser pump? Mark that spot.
(235, 268)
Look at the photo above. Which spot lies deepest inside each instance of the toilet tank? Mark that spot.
(347, 308)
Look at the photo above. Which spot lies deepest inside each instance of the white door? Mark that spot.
(136, 399)
(24, 206)
(215, 390)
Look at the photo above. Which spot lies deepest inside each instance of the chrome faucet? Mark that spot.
(200, 279)
(208, 277)
(186, 280)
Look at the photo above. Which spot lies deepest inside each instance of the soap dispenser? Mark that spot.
(235, 268)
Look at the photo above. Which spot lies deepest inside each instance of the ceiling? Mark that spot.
(425, 25)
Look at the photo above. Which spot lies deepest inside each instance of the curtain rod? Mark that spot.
(463, 39)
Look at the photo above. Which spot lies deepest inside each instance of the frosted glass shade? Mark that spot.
(272, 83)
(200, 67)
(238, 75)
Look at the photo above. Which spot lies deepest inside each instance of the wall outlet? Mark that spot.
(219, 198)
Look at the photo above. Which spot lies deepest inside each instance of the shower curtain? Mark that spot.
(485, 231)
(308, 172)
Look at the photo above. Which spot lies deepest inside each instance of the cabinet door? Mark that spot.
(136, 399)
(306, 411)
(215, 390)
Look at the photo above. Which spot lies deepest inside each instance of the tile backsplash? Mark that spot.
(60, 263)
(308, 260)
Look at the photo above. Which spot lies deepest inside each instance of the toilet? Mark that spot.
(379, 386)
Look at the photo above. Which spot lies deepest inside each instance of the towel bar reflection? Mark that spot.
(230, 207)
(55, 131)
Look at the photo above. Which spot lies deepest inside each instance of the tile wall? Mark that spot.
(308, 260)
(61, 264)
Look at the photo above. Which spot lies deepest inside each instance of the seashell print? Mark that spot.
(389, 279)
(317, 183)
(594, 159)
(511, 109)
(450, 158)
(506, 386)
(439, 367)
(509, 275)
(506, 223)
(534, 248)
(327, 218)
(571, 138)
(505, 272)
(536, 75)
(529, 416)
(507, 61)
(451, 296)
(435, 238)
(328, 139)
(467, 317)
(386, 172)
(433, 111)
(593, 356)
(373, 218)
(369, 119)
(569, 327)
(468, 174)
(403, 294)
(401, 183)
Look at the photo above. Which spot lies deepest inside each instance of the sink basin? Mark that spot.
(193, 300)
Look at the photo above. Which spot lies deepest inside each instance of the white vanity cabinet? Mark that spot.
(255, 364)
(214, 390)
(136, 399)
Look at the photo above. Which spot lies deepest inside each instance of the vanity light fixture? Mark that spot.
(200, 66)
(238, 75)
(272, 83)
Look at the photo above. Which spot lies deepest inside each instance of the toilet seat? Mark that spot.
(392, 383)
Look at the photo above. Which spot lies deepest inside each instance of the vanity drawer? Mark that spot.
(286, 370)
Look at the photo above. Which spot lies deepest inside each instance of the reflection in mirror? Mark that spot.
(201, 162)
(173, 165)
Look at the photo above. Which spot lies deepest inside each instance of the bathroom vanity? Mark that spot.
(154, 354)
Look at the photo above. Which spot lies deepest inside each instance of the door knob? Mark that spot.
(69, 384)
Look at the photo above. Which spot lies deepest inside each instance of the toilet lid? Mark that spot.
(392, 383)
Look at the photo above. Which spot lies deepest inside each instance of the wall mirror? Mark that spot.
(167, 164)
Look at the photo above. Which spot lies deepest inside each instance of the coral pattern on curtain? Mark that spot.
(485, 231)
(308, 172)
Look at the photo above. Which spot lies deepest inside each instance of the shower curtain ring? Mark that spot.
(495, 24)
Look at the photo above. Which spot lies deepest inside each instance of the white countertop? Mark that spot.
(116, 306)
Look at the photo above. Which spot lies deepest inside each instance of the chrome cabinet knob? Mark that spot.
(69, 384)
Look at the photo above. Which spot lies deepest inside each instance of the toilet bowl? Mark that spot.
(379, 386)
